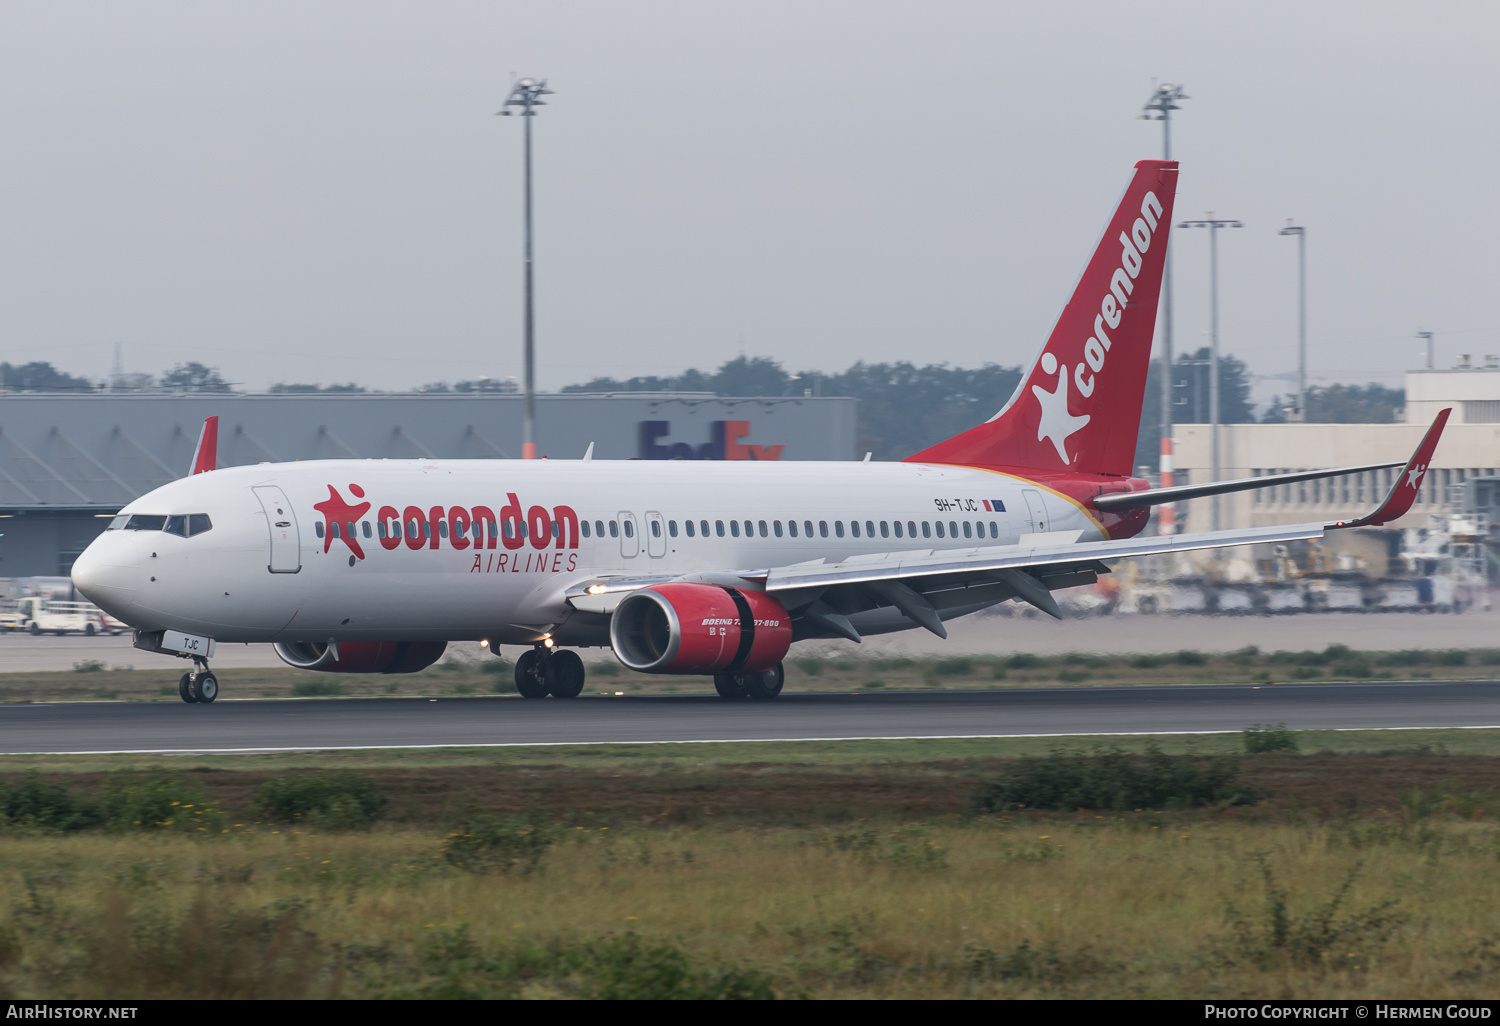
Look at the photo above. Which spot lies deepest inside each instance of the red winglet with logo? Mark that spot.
(1079, 407)
(1404, 492)
(206, 457)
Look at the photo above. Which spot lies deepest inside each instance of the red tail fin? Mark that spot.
(207, 455)
(1079, 406)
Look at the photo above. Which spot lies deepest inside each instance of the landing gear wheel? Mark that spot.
(563, 673)
(185, 688)
(528, 680)
(206, 687)
(729, 685)
(765, 685)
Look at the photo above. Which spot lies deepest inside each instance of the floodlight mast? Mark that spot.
(1213, 225)
(1159, 108)
(527, 94)
(1300, 414)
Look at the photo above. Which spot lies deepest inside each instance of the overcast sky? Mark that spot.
(319, 192)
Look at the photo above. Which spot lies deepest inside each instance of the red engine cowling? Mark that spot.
(700, 628)
(362, 656)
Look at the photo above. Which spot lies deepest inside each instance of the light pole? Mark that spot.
(1301, 412)
(527, 94)
(1159, 108)
(1213, 227)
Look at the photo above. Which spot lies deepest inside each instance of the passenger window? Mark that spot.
(870, 528)
(427, 529)
(318, 528)
(898, 528)
(994, 531)
(477, 528)
(333, 528)
(614, 529)
(521, 528)
(823, 528)
(442, 528)
(584, 526)
(629, 529)
(688, 525)
(350, 530)
(656, 528)
(885, 529)
(493, 528)
(911, 528)
(510, 529)
(776, 527)
(703, 528)
(411, 528)
(807, 527)
(749, 529)
(791, 528)
(927, 530)
(381, 530)
(953, 529)
(557, 528)
(599, 528)
(718, 528)
(763, 532)
(364, 526)
(967, 530)
(854, 528)
(672, 528)
(838, 528)
(734, 528)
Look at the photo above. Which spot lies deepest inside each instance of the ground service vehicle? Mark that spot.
(687, 567)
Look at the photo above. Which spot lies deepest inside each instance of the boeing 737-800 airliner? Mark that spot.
(365, 566)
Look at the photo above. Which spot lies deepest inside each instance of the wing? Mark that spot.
(925, 586)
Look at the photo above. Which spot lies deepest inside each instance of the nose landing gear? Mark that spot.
(199, 684)
(542, 672)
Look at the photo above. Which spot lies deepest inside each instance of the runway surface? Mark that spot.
(230, 726)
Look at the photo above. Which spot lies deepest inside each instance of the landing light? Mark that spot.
(597, 589)
(484, 643)
(547, 641)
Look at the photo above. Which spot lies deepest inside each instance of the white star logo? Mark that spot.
(1056, 423)
(1414, 477)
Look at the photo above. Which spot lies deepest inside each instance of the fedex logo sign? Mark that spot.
(723, 444)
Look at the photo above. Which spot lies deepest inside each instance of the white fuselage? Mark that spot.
(269, 569)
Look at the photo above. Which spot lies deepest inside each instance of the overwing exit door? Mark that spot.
(286, 543)
(630, 541)
(656, 535)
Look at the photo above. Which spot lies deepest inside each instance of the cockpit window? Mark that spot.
(181, 524)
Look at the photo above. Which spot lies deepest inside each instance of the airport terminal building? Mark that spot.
(68, 462)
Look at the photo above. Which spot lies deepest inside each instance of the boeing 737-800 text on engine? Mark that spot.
(365, 566)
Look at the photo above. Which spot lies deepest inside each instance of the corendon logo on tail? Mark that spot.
(1056, 424)
(529, 540)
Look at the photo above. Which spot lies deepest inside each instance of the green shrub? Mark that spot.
(1333, 652)
(1107, 778)
(88, 666)
(159, 803)
(1262, 737)
(605, 669)
(318, 688)
(1189, 657)
(1453, 657)
(34, 804)
(338, 801)
(1148, 662)
(1353, 668)
(1244, 656)
(1074, 676)
(812, 667)
(484, 842)
(954, 666)
(1023, 661)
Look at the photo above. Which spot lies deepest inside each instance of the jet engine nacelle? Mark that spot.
(700, 628)
(361, 656)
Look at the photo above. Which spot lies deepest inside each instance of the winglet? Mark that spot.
(206, 456)
(1404, 492)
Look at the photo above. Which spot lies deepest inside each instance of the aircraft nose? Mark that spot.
(108, 581)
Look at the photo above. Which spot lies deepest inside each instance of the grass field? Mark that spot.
(461, 673)
(1344, 864)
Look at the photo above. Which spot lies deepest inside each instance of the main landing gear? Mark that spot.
(199, 684)
(544, 671)
(762, 687)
